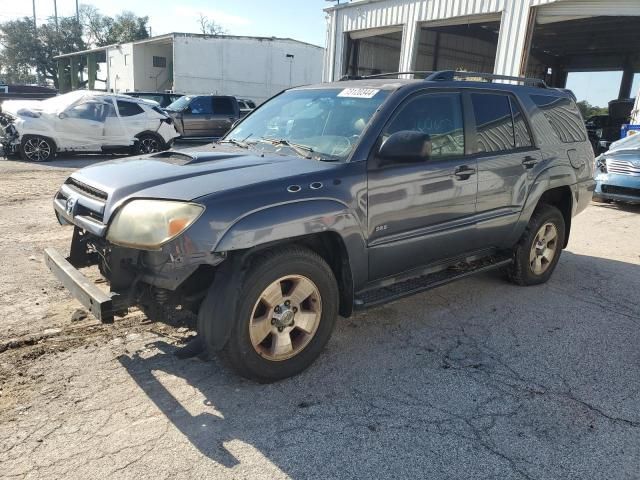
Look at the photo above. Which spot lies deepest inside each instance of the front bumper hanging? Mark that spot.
(98, 302)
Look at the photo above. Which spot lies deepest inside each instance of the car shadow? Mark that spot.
(69, 161)
(403, 365)
(625, 207)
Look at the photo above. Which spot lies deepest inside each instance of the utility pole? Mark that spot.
(77, 13)
(55, 12)
(35, 36)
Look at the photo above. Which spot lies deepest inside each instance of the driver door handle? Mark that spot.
(464, 172)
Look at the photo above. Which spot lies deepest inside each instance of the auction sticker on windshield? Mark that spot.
(358, 92)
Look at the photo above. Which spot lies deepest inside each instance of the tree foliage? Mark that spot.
(27, 53)
(587, 110)
(101, 30)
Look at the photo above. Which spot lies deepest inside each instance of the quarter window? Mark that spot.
(437, 114)
(563, 116)
(494, 124)
(129, 109)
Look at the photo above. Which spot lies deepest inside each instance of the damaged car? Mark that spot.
(618, 172)
(84, 122)
(328, 199)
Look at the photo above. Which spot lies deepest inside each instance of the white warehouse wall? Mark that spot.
(150, 78)
(254, 68)
(121, 76)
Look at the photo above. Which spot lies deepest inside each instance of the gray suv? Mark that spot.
(329, 199)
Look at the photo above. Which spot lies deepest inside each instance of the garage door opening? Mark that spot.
(374, 54)
(585, 45)
(471, 47)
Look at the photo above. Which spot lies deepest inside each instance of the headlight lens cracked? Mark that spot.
(149, 224)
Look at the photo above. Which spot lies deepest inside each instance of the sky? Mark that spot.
(298, 19)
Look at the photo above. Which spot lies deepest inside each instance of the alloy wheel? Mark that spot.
(543, 248)
(37, 149)
(285, 318)
(149, 145)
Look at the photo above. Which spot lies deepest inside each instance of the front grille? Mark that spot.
(85, 189)
(622, 167)
(615, 190)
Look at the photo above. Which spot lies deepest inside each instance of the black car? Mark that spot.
(328, 199)
(163, 98)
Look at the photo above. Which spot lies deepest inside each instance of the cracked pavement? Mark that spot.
(479, 379)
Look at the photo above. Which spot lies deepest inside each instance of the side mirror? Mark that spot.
(62, 115)
(406, 146)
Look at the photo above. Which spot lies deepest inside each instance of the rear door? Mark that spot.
(131, 119)
(198, 117)
(506, 158)
(420, 213)
(225, 112)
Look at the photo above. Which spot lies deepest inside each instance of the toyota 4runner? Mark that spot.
(328, 199)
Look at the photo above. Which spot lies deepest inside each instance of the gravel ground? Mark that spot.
(478, 379)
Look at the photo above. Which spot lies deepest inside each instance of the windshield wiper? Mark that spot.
(302, 150)
(237, 143)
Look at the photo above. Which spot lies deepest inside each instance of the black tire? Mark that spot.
(34, 148)
(265, 269)
(521, 271)
(149, 143)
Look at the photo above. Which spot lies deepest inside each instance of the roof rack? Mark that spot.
(383, 75)
(451, 75)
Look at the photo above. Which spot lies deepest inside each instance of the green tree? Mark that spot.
(589, 110)
(101, 30)
(19, 53)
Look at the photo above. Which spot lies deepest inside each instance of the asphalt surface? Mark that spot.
(479, 379)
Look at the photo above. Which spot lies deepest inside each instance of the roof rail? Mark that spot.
(382, 75)
(451, 75)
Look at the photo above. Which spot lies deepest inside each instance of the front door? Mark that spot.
(198, 117)
(81, 127)
(419, 213)
(506, 159)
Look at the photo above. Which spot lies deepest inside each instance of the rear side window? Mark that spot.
(439, 115)
(494, 124)
(223, 106)
(520, 129)
(129, 109)
(563, 116)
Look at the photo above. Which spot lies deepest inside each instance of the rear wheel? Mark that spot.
(37, 149)
(537, 254)
(149, 143)
(288, 305)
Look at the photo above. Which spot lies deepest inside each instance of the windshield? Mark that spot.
(180, 104)
(61, 102)
(324, 123)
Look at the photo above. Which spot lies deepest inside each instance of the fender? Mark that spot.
(298, 219)
(553, 177)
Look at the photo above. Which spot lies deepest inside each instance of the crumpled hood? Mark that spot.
(13, 106)
(180, 176)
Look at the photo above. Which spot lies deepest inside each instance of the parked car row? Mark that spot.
(95, 122)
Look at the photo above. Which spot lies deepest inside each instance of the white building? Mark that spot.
(541, 38)
(247, 67)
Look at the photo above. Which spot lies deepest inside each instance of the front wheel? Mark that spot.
(536, 255)
(37, 149)
(287, 308)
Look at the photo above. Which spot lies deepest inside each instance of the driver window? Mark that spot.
(201, 106)
(94, 111)
(437, 114)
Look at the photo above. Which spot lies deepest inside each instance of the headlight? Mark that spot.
(149, 224)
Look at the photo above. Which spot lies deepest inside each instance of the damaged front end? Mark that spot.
(9, 136)
(171, 275)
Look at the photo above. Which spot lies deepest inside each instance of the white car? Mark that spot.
(84, 121)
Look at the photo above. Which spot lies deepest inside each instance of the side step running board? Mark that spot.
(404, 288)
